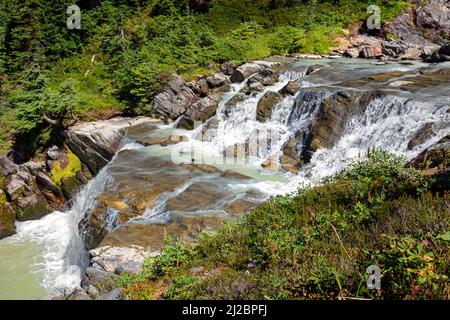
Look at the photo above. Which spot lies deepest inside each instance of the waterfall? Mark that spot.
(64, 255)
(388, 121)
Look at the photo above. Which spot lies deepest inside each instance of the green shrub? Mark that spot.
(318, 243)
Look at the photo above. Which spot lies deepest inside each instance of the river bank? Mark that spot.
(142, 196)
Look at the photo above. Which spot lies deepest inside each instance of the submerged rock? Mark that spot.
(164, 141)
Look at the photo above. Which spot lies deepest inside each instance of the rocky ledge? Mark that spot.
(47, 182)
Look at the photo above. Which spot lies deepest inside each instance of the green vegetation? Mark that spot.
(318, 244)
(126, 50)
(72, 167)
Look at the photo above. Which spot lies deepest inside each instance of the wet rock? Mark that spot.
(200, 167)
(235, 175)
(209, 130)
(174, 100)
(164, 141)
(425, 133)
(136, 131)
(130, 191)
(239, 207)
(266, 77)
(200, 112)
(293, 149)
(291, 88)
(198, 196)
(95, 143)
(252, 88)
(331, 120)
(270, 165)
(288, 164)
(313, 68)
(266, 104)
(79, 295)
(153, 236)
(231, 104)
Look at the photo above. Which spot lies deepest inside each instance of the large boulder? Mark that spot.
(265, 105)
(245, 71)
(435, 16)
(174, 100)
(374, 51)
(23, 193)
(440, 55)
(248, 69)
(259, 81)
(422, 26)
(119, 260)
(291, 88)
(95, 143)
(200, 111)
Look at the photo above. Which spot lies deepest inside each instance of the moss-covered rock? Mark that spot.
(68, 167)
(7, 226)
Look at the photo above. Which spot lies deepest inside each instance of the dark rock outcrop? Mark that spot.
(266, 104)
(425, 133)
(174, 100)
(291, 89)
(440, 55)
(438, 155)
(200, 111)
(422, 26)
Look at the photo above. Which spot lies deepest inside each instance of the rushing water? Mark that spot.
(48, 254)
